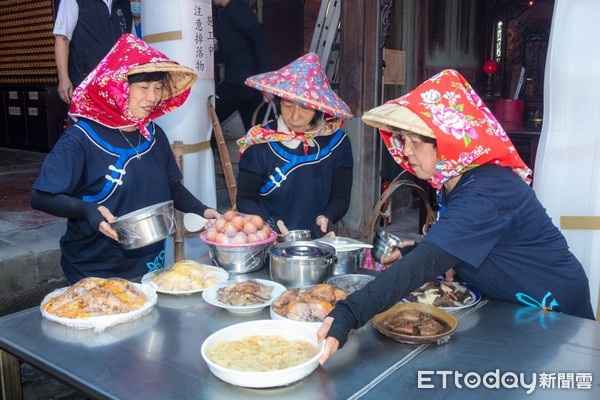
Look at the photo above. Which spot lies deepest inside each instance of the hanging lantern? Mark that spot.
(490, 67)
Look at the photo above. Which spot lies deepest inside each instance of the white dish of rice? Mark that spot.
(263, 353)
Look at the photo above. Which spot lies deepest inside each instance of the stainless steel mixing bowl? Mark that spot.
(239, 259)
(146, 226)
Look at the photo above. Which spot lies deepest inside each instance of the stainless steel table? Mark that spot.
(158, 356)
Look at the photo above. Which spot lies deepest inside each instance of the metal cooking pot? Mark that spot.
(348, 262)
(146, 226)
(349, 254)
(302, 263)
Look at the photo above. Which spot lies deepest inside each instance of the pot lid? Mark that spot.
(302, 250)
(344, 244)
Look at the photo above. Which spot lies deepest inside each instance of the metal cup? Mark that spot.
(383, 244)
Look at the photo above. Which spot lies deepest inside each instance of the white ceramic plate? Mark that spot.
(210, 296)
(313, 325)
(266, 379)
(218, 273)
(100, 323)
(475, 296)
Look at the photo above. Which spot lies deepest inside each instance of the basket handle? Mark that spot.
(369, 230)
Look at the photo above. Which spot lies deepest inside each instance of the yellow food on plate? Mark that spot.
(94, 297)
(261, 353)
(184, 276)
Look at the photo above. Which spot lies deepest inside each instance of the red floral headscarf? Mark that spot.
(104, 94)
(467, 133)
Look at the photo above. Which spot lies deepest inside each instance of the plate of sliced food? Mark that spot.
(446, 295)
(243, 297)
(185, 277)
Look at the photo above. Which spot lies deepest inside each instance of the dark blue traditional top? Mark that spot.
(96, 164)
(508, 246)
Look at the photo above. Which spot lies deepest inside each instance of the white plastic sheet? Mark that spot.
(100, 323)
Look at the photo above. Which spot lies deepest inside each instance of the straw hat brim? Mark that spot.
(397, 116)
(181, 78)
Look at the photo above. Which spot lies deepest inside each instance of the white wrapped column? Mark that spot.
(182, 29)
(567, 168)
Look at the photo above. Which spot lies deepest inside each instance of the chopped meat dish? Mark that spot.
(311, 305)
(414, 323)
(244, 293)
(441, 294)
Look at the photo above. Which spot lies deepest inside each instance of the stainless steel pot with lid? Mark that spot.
(301, 263)
(349, 254)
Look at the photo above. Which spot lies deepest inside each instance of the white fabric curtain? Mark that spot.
(567, 168)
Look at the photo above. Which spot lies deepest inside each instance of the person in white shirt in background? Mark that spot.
(85, 31)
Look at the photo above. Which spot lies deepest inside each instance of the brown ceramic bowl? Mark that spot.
(440, 315)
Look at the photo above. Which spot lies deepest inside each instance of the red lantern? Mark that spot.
(489, 67)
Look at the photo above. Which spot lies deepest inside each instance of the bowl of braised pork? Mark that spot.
(415, 323)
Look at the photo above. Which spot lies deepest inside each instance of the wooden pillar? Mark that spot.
(359, 82)
(178, 240)
(359, 55)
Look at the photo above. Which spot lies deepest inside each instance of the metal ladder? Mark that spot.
(325, 40)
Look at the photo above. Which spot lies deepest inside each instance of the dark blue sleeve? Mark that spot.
(422, 264)
(63, 167)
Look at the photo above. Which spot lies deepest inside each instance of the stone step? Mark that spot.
(29, 266)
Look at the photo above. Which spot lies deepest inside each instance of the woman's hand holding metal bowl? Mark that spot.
(145, 226)
(396, 253)
(105, 228)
